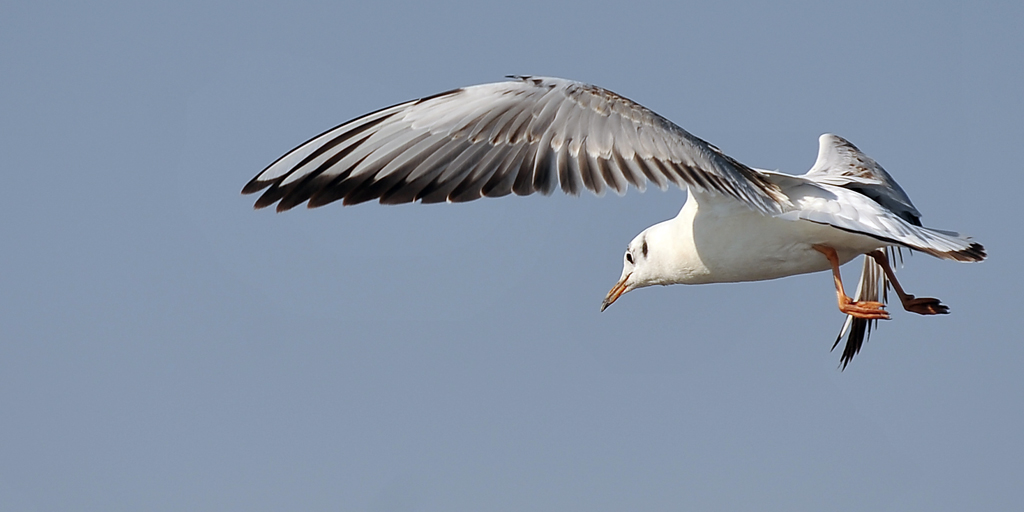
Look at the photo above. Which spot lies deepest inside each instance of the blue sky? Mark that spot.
(165, 347)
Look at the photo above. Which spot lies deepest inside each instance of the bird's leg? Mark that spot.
(868, 310)
(921, 306)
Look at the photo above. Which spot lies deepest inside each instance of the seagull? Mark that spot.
(533, 134)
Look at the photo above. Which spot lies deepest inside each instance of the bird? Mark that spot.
(534, 134)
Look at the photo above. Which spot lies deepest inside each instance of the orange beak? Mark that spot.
(615, 292)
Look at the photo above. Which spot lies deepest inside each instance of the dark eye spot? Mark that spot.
(629, 257)
(644, 248)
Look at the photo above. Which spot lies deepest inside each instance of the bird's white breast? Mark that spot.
(723, 240)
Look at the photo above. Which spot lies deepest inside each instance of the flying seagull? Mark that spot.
(533, 134)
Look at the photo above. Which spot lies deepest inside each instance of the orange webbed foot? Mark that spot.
(868, 310)
(924, 305)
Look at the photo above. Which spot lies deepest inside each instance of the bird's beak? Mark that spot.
(615, 292)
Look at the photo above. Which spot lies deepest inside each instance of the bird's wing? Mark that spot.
(522, 136)
(849, 210)
(842, 164)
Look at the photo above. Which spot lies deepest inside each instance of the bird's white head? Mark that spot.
(648, 261)
(661, 254)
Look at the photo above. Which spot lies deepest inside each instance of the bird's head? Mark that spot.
(640, 266)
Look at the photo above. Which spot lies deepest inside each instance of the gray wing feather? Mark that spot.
(523, 136)
(852, 211)
(842, 164)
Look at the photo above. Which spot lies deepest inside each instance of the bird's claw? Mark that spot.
(868, 310)
(925, 306)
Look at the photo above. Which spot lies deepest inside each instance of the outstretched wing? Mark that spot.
(523, 136)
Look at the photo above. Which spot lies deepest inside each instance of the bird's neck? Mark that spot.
(679, 262)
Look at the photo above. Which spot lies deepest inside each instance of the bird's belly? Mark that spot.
(766, 262)
(748, 246)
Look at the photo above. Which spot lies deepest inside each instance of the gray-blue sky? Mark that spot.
(164, 347)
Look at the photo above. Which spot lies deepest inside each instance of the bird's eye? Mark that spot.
(629, 257)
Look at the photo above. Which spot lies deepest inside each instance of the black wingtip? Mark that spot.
(271, 196)
(860, 332)
(254, 185)
(976, 252)
(972, 254)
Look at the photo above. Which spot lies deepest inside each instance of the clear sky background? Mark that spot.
(165, 347)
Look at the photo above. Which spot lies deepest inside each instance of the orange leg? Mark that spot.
(921, 306)
(869, 310)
